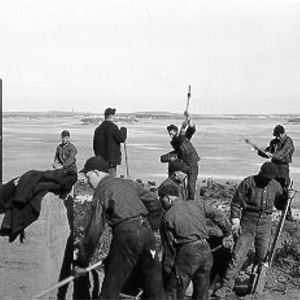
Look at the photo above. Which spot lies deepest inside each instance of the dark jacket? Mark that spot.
(65, 155)
(282, 151)
(22, 203)
(185, 150)
(115, 200)
(185, 222)
(249, 197)
(107, 141)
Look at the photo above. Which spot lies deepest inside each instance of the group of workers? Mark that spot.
(160, 242)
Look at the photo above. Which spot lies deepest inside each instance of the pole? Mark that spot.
(126, 160)
(65, 281)
(1, 156)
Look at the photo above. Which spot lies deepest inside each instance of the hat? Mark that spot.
(109, 111)
(95, 163)
(168, 190)
(268, 170)
(172, 127)
(65, 133)
(278, 130)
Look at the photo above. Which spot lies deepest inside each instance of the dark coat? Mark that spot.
(21, 204)
(107, 142)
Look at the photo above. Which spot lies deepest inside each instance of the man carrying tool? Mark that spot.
(281, 150)
(187, 255)
(184, 158)
(107, 141)
(117, 201)
(251, 217)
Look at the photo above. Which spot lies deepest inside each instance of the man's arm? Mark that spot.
(120, 135)
(93, 230)
(218, 217)
(287, 148)
(71, 156)
(188, 128)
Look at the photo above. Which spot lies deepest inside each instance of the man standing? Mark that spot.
(251, 217)
(187, 255)
(107, 141)
(185, 157)
(65, 153)
(281, 150)
(117, 202)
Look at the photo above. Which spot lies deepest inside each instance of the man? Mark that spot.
(107, 141)
(281, 150)
(65, 153)
(185, 157)
(117, 202)
(187, 255)
(251, 217)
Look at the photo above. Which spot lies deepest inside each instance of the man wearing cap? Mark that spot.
(184, 158)
(65, 154)
(107, 141)
(187, 255)
(251, 218)
(117, 202)
(281, 150)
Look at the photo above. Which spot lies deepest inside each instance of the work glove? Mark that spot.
(228, 242)
(236, 227)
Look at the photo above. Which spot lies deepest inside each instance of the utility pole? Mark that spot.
(1, 118)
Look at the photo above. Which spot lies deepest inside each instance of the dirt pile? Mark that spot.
(284, 275)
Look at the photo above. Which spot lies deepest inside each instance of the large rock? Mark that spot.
(29, 268)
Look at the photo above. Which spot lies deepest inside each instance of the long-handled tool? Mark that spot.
(65, 281)
(257, 148)
(259, 280)
(126, 160)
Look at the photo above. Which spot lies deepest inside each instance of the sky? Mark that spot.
(239, 56)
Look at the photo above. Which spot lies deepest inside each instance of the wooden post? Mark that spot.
(1, 156)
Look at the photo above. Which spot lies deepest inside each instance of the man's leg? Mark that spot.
(241, 249)
(192, 179)
(201, 279)
(127, 245)
(262, 241)
(284, 180)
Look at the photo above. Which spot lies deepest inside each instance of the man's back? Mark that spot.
(187, 221)
(107, 140)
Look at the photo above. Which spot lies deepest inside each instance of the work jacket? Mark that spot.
(107, 141)
(251, 198)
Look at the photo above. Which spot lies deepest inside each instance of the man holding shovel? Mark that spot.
(251, 217)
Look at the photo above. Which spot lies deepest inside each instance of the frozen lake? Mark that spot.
(30, 143)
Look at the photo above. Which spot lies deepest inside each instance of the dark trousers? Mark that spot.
(284, 179)
(191, 171)
(256, 229)
(193, 263)
(130, 247)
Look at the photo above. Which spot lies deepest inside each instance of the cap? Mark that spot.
(65, 133)
(168, 189)
(95, 163)
(268, 170)
(109, 111)
(278, 130)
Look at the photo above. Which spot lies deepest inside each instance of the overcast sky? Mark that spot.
(239, 56)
